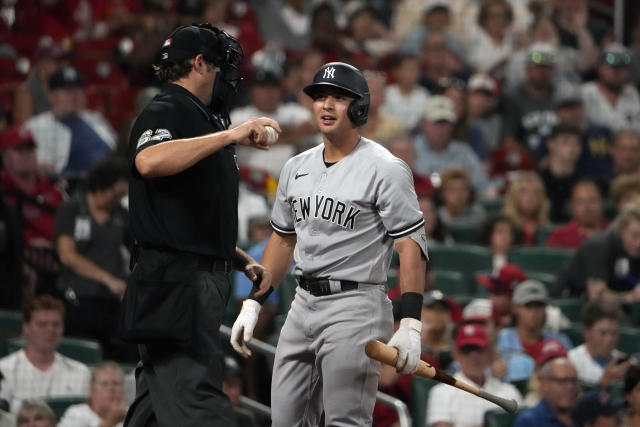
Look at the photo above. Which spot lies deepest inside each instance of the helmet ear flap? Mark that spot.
(358, 111)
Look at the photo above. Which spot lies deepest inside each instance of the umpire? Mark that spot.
(183, 202)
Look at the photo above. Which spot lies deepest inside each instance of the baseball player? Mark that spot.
(340, 207)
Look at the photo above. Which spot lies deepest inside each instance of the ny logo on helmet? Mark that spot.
(328, 73)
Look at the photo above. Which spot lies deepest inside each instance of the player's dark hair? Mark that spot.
(171, 72)
(597, 310)
(488, 225)
(631, 378)
(106, 173)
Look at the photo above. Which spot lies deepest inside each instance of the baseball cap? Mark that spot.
(594, 404)
(550, 349)
(435, 4)
(530, 291)
(479, 309)
(482, 82)
(440, 108)
(188, 41)
(566, 94)
(471, 334)
(265, 78)
(615, 55)
(505, 281)
(542, 54)
(17, 136)
(434, 297)
(65, 77)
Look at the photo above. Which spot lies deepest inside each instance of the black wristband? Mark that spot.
(262, 298)
(411, 305)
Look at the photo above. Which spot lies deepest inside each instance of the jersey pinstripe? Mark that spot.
(346, 216)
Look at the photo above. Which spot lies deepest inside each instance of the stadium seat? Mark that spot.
(465, 232)
(574, 332)
(571, 307)
(451, 282)
(82, 350)
(545, 260)
(420, 388)
(499, 418)
(493, 205)
(629, 341)
(466, 259)
(543, 232)
(60, 404)
(10, 323)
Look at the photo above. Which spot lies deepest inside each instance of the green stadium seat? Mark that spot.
(82, 350)
(522, 386)
(420, 388)
(543, 232)
(464, 232)
(493, 205)
(451, 282)
(545, 260)
(466, 259)
(499, 418)
(575, 334)
(571, 307)
(629, 341)
(10, 323)
(60, 404)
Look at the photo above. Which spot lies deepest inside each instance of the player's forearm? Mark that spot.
(241, 259)
(278, 256)
(174, 156)
(412, 266)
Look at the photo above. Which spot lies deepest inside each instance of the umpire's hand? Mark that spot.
(253, 132)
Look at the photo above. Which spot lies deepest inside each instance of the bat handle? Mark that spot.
(509, 405)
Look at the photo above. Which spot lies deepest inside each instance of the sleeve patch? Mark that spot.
(153, 136)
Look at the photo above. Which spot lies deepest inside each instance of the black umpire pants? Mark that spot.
(181, 385)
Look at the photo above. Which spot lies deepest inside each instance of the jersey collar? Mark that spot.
(179, 90)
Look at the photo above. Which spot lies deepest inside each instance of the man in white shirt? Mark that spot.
(610, 101)
(452, 407)
(597, 360)
(38, 371)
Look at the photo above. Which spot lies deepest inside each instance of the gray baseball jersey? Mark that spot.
(346, 216)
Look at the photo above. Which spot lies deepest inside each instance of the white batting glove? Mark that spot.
(242, 329)
(407, 341)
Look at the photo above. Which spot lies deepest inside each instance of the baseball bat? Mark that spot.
(389, 355)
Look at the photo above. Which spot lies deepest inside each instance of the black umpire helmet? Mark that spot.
(349, 79)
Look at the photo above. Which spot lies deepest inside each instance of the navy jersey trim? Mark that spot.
(406, 231)
(282, 230)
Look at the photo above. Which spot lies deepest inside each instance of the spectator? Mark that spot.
(519, 346)
(526, 203)
(528, 108)
(437, 327)
(437, 151)
(559, 390)
(632, 393)
(607, 265)
(587, 219)
(35, 413)
(550, 349)
(625, 189)
(325, 35)
(481, 108)
(14, 281)
(402, 147)
(597, 408)
(500, 234)
(285, 22)
(625, 153)
(611, 100)
(70, 139)
(597, 360)
(91, 229)
(405, 99)
(501, 284)
(379, 126)
(105, 407)
(438, 61)
(38, 371)
(448, 406)
(232, 386)
(561, 168)
(456, 198)
(434, 227)
(265, 96)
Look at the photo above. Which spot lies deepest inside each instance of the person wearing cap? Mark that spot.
(436, 151)
(549, 349)
(70, 139)
(448, 406)
(500, 286)
(587, 216)
(437, 327)
(598, 408)
(183, 196)
(559, 390)
(520, 345)
(528, 107)
(597, 360)
(481, 101)
(265, 100)
(611, 100)
(607, 264)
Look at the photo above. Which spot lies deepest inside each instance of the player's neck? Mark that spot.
(338, 147)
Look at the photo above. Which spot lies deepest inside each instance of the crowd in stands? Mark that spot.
(520, 120)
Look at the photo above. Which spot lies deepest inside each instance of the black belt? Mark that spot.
(209, 263)
(322, 287)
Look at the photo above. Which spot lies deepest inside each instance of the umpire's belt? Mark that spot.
(322, 287)
(209, 263)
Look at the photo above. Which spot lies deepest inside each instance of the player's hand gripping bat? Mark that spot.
(389, 355)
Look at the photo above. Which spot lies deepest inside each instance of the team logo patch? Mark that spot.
(329, 73)
(151, 136)
(144, 138)
(167, 42)
(160, 134)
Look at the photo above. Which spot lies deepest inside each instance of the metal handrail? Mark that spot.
(404, 417)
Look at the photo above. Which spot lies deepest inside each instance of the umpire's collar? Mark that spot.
(174, 89)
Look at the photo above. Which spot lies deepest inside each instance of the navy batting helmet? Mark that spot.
(348, 78)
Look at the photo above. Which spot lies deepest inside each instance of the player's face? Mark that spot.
(44, 331)
(330, 108)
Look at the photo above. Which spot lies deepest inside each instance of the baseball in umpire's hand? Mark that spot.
(272, 135)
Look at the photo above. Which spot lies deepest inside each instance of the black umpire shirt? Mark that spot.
(196, 209)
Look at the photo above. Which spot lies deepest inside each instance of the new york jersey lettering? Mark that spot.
(326, 209)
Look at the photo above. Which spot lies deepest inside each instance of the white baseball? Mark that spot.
(272, 135)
